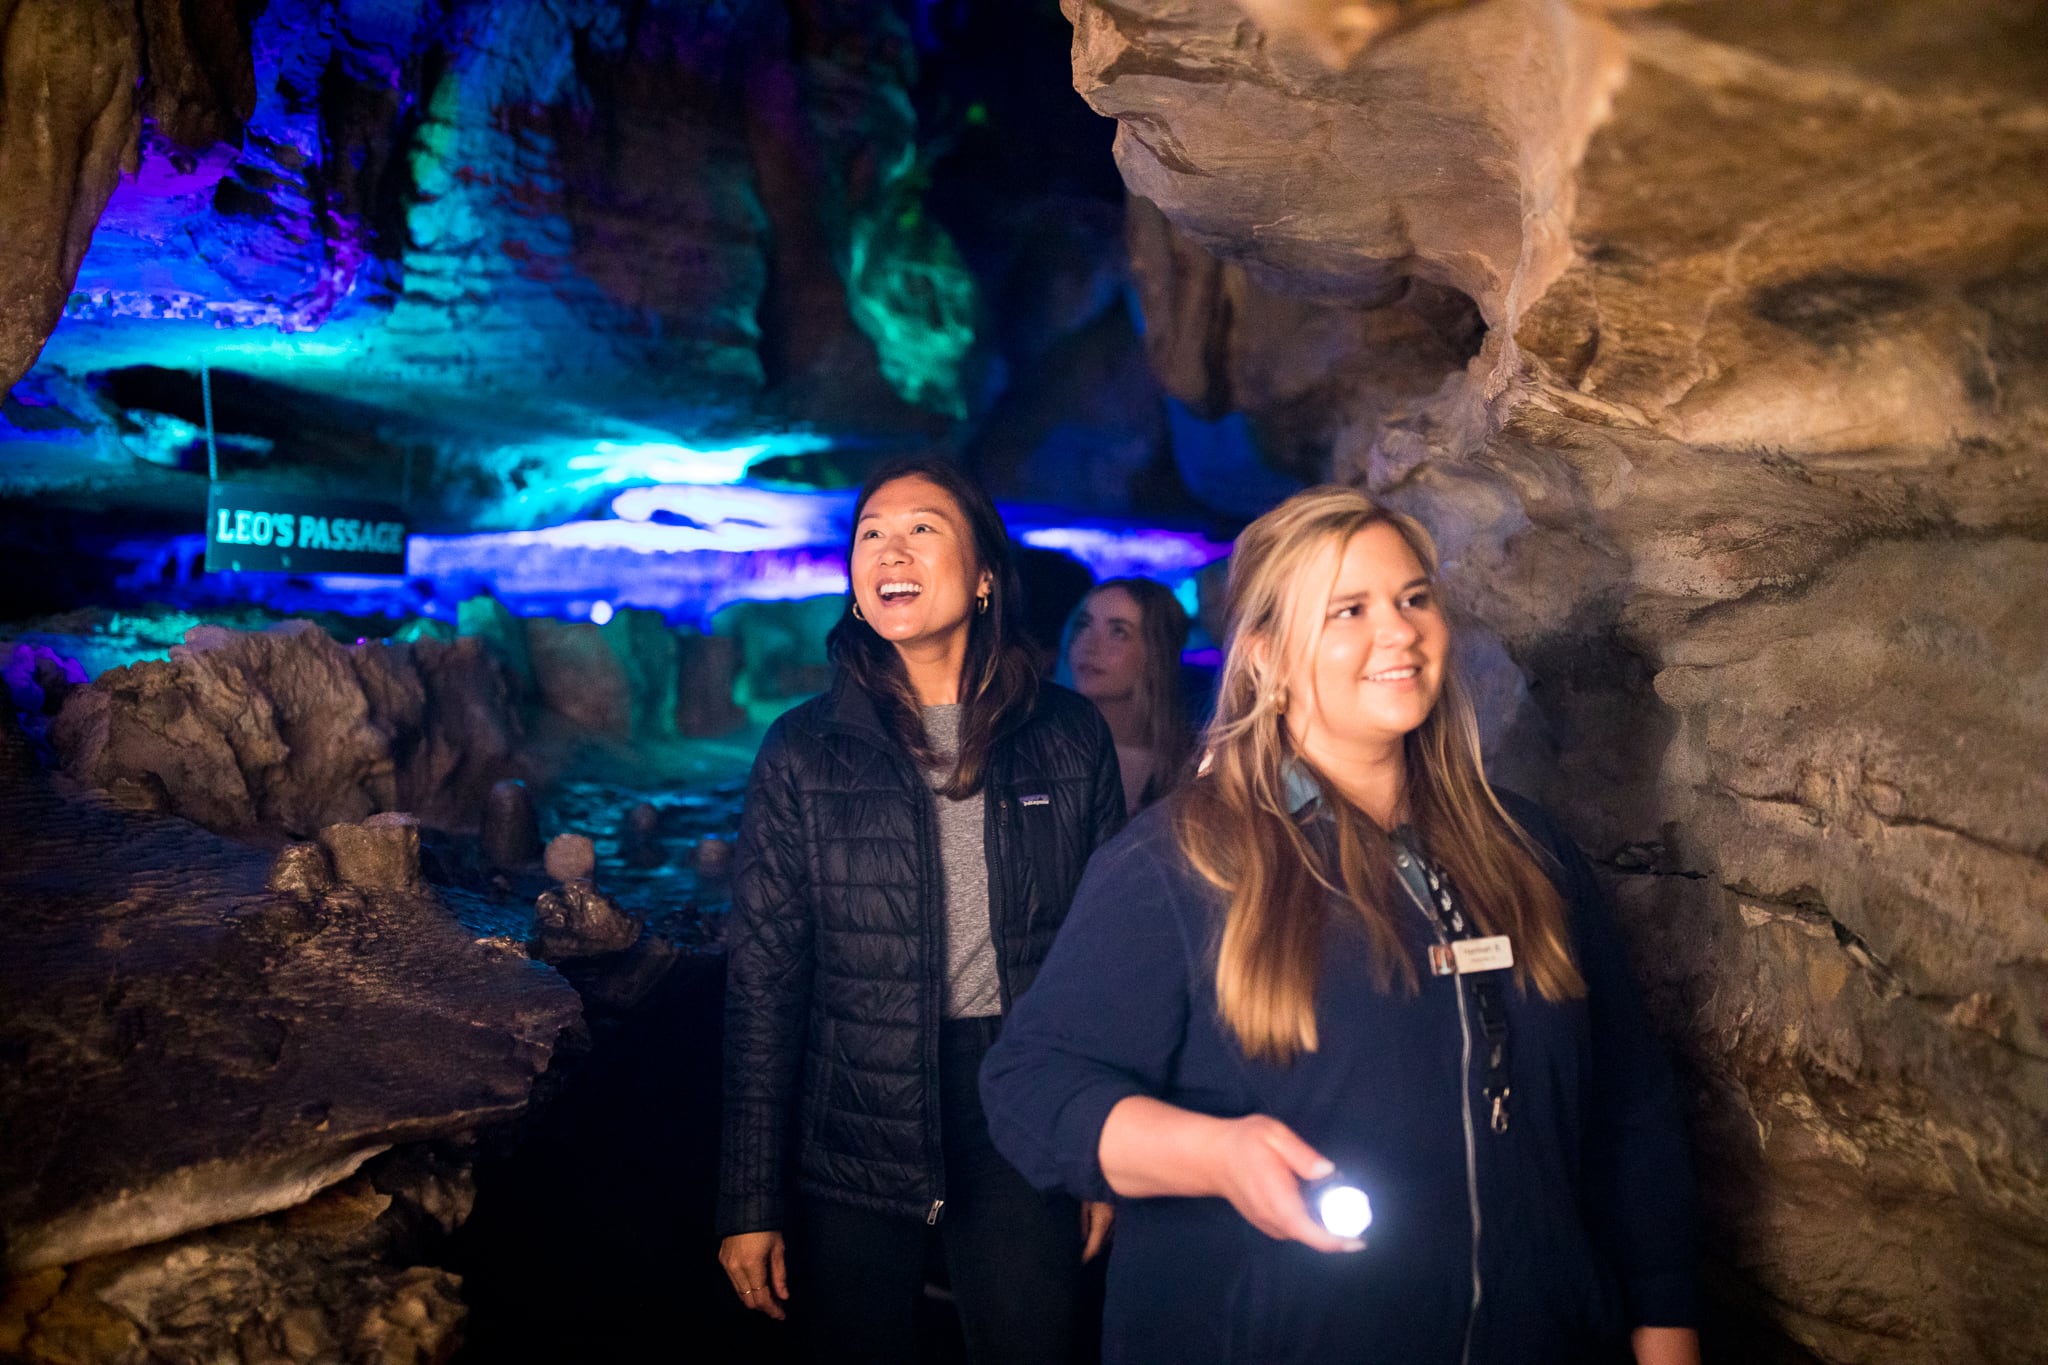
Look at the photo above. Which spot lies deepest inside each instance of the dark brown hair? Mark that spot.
(998, 681)
(1162, 635)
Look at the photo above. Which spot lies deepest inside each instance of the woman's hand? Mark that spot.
(755, 1264)
(1665, 1346)
(1261, 1164)
(1149, 1148)
(1095, 1220)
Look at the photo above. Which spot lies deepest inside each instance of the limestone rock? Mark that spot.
(511, 825)
(570, 857)
(70, 132)
(82, 80)
(1444, 152)
(331, 1279)
(712, 858)
(504, 634)
(579, 676)
(640, 839)
(576, 920)
(616, 679)
(380, 854)
(1745, 478)
(302, 870)
(708, 668)
(189, 1046)
(781, 646)
(289, 731)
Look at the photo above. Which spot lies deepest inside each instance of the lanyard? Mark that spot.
(1431, 891)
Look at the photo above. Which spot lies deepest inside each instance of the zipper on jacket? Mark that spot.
(931, 1216)
(931, 930)
(1465, 1113)
(1471, 1160)
(995, 852)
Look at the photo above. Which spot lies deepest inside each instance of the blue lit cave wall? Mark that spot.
(616, 299)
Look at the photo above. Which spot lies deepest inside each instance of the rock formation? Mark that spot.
(335, 1278)
(1708, 339)
(287, 731)
(510, 831)
(476, 236)
(575, 919)
(71, 118)
(200, 1035)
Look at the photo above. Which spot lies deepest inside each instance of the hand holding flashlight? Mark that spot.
(1151, 1149)
(1288, 1190)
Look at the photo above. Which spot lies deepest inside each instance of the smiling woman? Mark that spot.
(1338, 950)
(910, 844)
(1122, 652)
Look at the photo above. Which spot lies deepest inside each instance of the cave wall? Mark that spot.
(1746, 473)
(499, 258)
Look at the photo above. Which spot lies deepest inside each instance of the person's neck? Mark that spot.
(1126, 721)
(934, 670)
(1373, 779)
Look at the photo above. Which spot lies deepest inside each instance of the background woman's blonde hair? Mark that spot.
(1237, 831)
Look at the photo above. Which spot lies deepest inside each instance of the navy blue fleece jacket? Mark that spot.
(1586, 1224)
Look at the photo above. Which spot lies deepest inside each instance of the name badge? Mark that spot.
(1483, 954)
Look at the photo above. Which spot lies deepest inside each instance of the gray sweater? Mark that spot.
(971, 986)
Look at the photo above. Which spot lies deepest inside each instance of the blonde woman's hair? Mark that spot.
(1237, 831)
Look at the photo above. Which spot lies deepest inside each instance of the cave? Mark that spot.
(363, 919)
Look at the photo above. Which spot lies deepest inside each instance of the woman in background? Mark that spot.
(910, 843)
(1338, 953)
(1122, 652)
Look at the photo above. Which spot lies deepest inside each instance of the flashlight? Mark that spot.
(1339, 1205)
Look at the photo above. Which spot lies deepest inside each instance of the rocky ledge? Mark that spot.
(197, 1031)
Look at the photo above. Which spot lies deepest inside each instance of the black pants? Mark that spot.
(1012, 1255)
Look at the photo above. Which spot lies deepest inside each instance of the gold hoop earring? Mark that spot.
(1279, 699)
(856, 613)
(981, 605)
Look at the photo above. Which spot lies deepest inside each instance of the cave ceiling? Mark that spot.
(446, 249)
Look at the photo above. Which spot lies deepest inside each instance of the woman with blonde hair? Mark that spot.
(1122, 651)
(1345, 1031)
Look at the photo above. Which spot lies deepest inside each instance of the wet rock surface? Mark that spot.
(189, 1046)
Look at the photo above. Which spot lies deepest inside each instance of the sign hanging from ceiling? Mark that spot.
(263, 530)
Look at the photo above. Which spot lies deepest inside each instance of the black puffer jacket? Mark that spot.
(835, 976)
